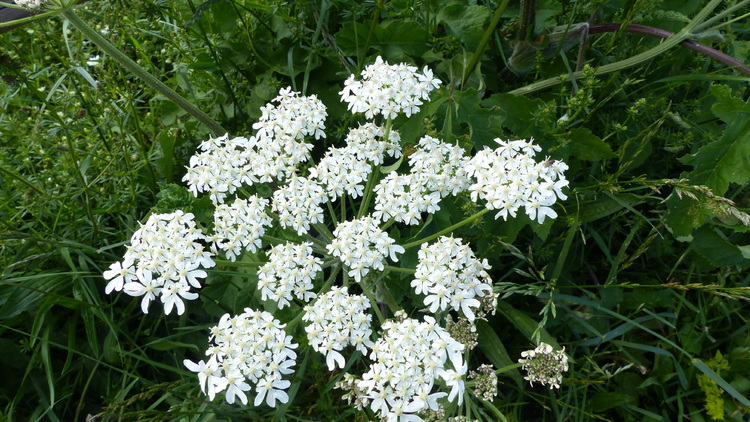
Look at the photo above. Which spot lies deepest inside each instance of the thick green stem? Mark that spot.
(483, 42)
(660, 49)
(138, 71)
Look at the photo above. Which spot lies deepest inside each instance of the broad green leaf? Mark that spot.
(466, 22)
(518, 112)
(352, 37)
(727, 159)
(398, 38)
(493, 348)
(714, 246)
(584, 145)
(485, 124)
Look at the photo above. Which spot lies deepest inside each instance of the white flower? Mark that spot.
(362, 246)
(337, 320)
(248, 349)
(451, 276)
(290, 270)
(544, 365)
(165, 259)
(388, 90)
(239, 227)
(509, 178)
(298, 204)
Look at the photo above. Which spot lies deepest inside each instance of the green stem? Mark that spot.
(323, 290)
(138, 71)
(447, 230)
(483, 42)
(398, 269)
(630, 61)
(25, 20)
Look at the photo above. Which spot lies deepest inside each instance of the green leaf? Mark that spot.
(604, 206)
(397, 38)
(468, 23)
(485, 124)
(714, 246)
(727, 159)
(518, 111)
(493, 348)
(581, 143)
(721, 382)
(525, 324)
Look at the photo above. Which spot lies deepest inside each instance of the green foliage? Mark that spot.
(642, 277)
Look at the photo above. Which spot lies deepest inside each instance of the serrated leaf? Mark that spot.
(485, 124)
(684, 215)
(518, 113)
(465, 22)
(581, 143)
(714, 246)
(727, 159)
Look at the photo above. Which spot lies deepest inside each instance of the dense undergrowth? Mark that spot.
(643, 276)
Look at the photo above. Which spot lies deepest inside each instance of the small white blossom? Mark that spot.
(388, 90)
(451, 277)
(409, 358)
(298, 204)
(289, 273)
(362, 246)
(165, 259)
(250, 349)
(32, 5)
(239, 227)
(509, 178)
(337, 320)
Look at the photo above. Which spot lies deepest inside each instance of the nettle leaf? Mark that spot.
(726, 160)
(485, 124)
(716, 165)
(714, 246)
(465, 22)
(394, 39)
(518, 111)
(584, 145)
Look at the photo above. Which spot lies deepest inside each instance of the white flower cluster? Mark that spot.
(240, 226)
(344, 170)
(165, 259)
(298, 204)
(273, 153)
(388, 90)
(451, 276)
(436, 172)
(32, 5)
(439, 166)
(338, 319)
(362, 246)
(508, 178)
(290, 269)
(220, 167)
(408, 359)
(249, 348)
(544, 365)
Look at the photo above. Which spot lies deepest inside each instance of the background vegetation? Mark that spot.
(643, 277)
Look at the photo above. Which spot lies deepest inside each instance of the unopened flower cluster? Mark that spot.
(544, 365)
(336, 320)
(451, 277)
(248, 350)
(165, 259)
(409, 358)
(290, 271)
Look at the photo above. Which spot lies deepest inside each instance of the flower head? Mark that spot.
(388, 90)
(290, 270)
(250, 349)
(544, 365)
(165, 258)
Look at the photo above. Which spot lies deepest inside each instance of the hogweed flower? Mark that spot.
(165, 259)
(544, 365)
(485, 384)
(240, 226)
(362, 246)
(32, 5)
(250, 349)
(450, 276)
(290, 270)
(409, 358)
(388, 90)
(338, 319)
